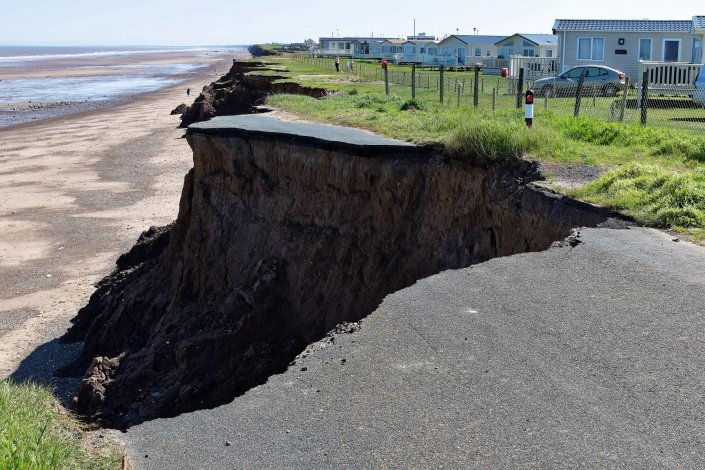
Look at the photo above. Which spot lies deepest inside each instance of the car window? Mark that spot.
(574, 73)
(595, 72)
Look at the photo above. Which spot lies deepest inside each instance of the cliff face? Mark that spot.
(278, 239)
(237, 92)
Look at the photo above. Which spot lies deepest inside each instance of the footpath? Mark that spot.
(586, 356)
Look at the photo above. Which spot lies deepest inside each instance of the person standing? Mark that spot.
(188, 92)
(337, 64)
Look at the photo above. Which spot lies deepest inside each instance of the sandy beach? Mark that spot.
(75, 192)
(40, 87)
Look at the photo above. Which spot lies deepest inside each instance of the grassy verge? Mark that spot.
(658, 170)
(37, 433)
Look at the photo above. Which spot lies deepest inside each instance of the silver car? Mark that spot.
(599, 79)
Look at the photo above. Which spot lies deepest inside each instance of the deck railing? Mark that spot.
(670, 74)
(534, 67)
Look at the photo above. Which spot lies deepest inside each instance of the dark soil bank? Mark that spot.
(239, 91)
(278, 240)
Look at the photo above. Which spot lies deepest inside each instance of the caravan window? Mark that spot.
(645, 49)
(697, 54)
(591, 48)
(671, 50)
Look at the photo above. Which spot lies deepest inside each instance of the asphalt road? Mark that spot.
(589, 356)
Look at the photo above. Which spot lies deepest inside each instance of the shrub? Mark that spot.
(410, 105)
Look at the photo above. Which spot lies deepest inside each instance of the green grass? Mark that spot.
(486, 139)
(658, 178)
(652, 195)
(37, 433)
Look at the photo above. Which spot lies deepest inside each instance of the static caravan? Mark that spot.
(346, 46)
(528, 45)
(417, 51)
(459, 50)
(626, 44)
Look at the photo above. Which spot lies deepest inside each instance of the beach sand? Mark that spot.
(75, 193)
(147, 67)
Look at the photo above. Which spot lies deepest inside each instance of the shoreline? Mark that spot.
(21, 112)
(75, 192)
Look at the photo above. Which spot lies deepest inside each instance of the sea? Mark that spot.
(39, 82)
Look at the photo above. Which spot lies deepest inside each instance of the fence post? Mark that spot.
(624, 99)
(475, 97)
(458, 87)
(386, 80)
(520, 87)
(440, 81)
(579, 94)
(644, 96)
(482, 85)
(494, 99)
(413, 81)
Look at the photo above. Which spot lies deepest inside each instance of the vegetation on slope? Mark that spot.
(37, 433)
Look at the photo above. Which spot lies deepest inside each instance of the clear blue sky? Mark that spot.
(180, 22)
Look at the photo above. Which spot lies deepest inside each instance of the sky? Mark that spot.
(220, 22)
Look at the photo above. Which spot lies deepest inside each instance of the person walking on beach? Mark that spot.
(337, 64)
(188, 92)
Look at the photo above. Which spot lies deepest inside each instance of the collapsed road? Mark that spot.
(284, 231)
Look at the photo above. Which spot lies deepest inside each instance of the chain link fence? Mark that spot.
(636, 102)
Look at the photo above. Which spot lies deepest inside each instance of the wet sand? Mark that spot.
(83, 66)
(81, 71)
(75, 192)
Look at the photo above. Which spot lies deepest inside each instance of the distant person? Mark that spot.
(337, 64)
(188, 92)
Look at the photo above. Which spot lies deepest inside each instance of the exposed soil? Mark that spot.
(277, 241)
(239, 92)
(569, 175)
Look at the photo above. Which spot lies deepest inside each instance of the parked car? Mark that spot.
(699, 93)
(598, 78)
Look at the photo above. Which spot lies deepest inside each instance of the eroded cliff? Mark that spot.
(239, 91)
(284, 231)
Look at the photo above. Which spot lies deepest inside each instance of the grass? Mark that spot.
(658, 177)
(37, 433)
(484, 139)
(653, 195)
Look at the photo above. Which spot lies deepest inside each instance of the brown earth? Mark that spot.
(275, 244)
(240, 92)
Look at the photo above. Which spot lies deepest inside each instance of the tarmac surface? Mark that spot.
(586, 356)
(326, 136)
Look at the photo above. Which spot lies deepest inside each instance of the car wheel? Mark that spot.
(609, 90)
